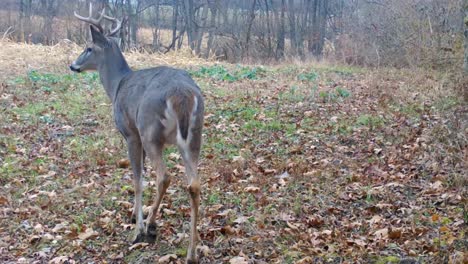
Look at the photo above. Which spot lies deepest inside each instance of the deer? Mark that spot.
(152, 108)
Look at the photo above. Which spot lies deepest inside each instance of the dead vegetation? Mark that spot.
(302, 163)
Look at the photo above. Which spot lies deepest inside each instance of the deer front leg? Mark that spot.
(135, 154)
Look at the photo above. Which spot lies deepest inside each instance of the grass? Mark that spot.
(346, 144)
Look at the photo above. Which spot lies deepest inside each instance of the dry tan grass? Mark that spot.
(17, 58)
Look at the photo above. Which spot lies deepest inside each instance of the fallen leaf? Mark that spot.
(251, 189)
(394, 233)
(381, 233)
(89, 233)
(437, 185)
(61, 259)
(227, 230)
(138, 245)
(238, 260)
(3, 200)
(292, 226)
(444, 229)
(241, 219)
(58, 227)
(375, 219)
(167, 258)
(34, 239)
(205, 250)
(123, 163)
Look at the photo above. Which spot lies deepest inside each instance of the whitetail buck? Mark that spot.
(152, 108)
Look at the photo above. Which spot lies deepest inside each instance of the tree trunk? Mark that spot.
(292, 26)
(319, 20)
(132, 24)
(466, 38)
(211, 31)
(50, 8)
(281, 33)
(200, 31)
(190, 23)
(314, 28)
(267, 10)
(245, 50)
(323, 27)
(175, 17)
(25, 20)
(156, 26)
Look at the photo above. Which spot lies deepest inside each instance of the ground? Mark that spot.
(301, 163)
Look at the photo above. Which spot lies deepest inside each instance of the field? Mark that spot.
(301, 163)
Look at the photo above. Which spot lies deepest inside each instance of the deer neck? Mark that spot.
(113, 70)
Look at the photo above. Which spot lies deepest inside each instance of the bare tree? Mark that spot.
(25, 19)
(466, 38)
(280, 42)
(213, 5)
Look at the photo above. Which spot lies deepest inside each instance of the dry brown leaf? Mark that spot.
(394, 233)
(3, 200)
(167, 258)
(89, 233)
(238, 260)
(34, 239)
(375, 219)
(292, 226)
(58, 227)
(381, 233)
(228, 230)
(305, 260)
(437, 185)
(123, 163)
(61, 259)
(138, 245)
(251, 189)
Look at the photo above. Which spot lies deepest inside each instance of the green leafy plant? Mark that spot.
(308, 76)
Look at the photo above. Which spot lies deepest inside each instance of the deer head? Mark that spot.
(94, 54)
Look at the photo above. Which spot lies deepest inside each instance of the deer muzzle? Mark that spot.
(74, 68)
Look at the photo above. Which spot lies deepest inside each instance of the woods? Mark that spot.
(371, 33)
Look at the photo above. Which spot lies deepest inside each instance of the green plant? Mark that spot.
(307, 76)
(342, 92)
(219, 72)
(370, 120)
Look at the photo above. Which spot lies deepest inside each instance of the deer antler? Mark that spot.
(93, 21)
(118, 25)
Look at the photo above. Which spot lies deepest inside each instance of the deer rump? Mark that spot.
(155, 102)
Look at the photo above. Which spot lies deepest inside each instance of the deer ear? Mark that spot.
(98, 38)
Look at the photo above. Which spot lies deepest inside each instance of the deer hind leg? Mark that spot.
(155, 154)
(190, 153)
(135, 154)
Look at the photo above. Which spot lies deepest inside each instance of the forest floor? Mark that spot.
(301, 163)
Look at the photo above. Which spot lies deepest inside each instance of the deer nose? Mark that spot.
(74, 69)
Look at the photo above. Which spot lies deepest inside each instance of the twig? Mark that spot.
(7, 32)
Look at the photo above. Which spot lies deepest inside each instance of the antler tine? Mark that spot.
(93, 21)
(117, 27)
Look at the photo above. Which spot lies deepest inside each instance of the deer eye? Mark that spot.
(89, 49)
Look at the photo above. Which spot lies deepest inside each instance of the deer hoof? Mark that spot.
(151, 233)
(141, 237)
(133, 219)
(192, 261)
